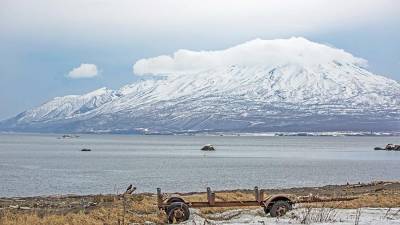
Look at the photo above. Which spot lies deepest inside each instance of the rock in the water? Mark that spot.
(208, 147)
(389, 147)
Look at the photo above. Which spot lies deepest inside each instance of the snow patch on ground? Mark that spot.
(368, 216)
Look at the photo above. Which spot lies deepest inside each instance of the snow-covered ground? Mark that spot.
(367, 216)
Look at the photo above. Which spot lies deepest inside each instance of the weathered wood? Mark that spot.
(159, 198)
(209, 195)
(212, 200)
(312, 199)
(223, 204)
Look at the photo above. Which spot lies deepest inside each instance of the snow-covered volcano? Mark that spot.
(262, 85)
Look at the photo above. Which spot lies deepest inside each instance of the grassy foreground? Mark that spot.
(139, 208)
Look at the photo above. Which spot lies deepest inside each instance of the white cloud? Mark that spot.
(252, 53)
(83, 71)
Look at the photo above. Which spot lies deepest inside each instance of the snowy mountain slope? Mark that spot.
(70, 106)
(286, 93)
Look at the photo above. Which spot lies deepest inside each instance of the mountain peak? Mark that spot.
(279, 85)
(100, 91)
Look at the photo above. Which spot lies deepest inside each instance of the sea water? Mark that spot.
(35, 164)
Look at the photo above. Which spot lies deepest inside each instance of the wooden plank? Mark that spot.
(257, 194)
(223, 204)
(212, 200)
(316, 199)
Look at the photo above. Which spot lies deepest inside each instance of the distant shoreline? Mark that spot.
(325, 190)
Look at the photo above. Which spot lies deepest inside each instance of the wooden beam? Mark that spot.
(257, 194)
(223, 204)
(159, 198)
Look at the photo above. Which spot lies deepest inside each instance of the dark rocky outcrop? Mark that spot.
(208, 147)
(389, 147)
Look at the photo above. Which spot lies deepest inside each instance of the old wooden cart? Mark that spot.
(177, 209)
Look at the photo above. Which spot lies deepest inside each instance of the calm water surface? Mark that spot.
(42, 164)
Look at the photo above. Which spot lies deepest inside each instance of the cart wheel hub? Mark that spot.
(281, 211)
(179, 214)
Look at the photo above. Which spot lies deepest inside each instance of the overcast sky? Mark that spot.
(52, 48)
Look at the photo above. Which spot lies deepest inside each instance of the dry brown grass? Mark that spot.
(138, 209)
(97, 217)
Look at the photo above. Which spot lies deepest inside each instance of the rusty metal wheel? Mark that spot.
(175, 199)
(178, 212)
(280, 208)
(267, 209)
(172, 200)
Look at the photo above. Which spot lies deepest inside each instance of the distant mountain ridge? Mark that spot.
(336, 93)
